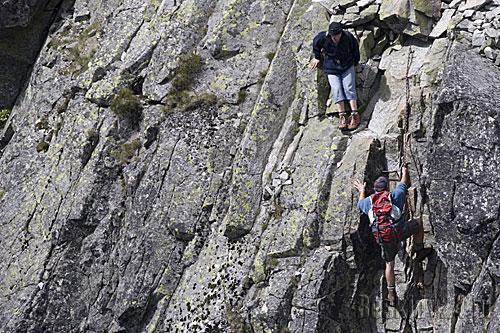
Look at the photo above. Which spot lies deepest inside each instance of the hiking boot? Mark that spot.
(421, 254)
(354, 120)
(342, 121)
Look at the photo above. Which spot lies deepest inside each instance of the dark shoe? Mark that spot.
(354, 120)
(342, 121)
(421, 254)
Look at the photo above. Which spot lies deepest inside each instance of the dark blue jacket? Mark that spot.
(337, 58)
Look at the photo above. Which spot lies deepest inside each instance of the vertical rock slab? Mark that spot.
(274, 304)
(362, 159)
(465, 127)
(396, 13)
(315, 160)
(322, 289)
(478, 307)
(265, 124)
(400, 65)
(23, 28)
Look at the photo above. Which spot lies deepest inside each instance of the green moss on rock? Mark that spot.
(179, 97)
(242, 96)
(125, 102)
(42, 146)
(4, 116)
(42, 124)
(189, 66)
(128, 150)
(84, 50)
(270, 56)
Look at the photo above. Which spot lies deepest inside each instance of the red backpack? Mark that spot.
(384, 217)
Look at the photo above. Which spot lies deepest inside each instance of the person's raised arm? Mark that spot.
(361, 188)
(405, 175)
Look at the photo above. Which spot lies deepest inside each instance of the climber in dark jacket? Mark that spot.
(340, 52)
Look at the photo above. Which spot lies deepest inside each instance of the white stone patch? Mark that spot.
(493, 33)
(468, 13)
(443, 23)
(364, 3)
(478, 38)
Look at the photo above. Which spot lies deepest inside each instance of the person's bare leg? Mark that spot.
(354, 118)
(354, 104)
(341, 106)
(389, 273)
(391, 283)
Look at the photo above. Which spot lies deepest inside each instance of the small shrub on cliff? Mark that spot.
(189, 66)
(179, 96)
(42, 124)
(242, 96)
(4, 116)
(128, 150)
(42, 146)
(235, 319)
(204, 99)
(125, 102)
(85, 48)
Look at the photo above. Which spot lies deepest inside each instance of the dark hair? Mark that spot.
(335, 28)
(381, 184)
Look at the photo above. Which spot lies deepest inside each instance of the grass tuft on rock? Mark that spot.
(128, 150)
(204, 99)
(42, 146)
(189, 66)
(4, 116)
(42, 124)
(180, 97)
(270, 56)
(84, 50)
(125, 103)
(242, 96)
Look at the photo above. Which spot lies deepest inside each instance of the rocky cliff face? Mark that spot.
(171, 166)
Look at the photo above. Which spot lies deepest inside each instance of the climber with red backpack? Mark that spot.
(389, 225)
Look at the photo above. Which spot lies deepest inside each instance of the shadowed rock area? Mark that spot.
(172, 166)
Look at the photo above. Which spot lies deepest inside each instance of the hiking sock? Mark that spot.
(342, 120)
(391, 295)
(354, 120)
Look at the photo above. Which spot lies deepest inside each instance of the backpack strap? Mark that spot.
(374, 220)
(371, 213)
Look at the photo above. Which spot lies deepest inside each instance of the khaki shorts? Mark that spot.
(390, 250)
